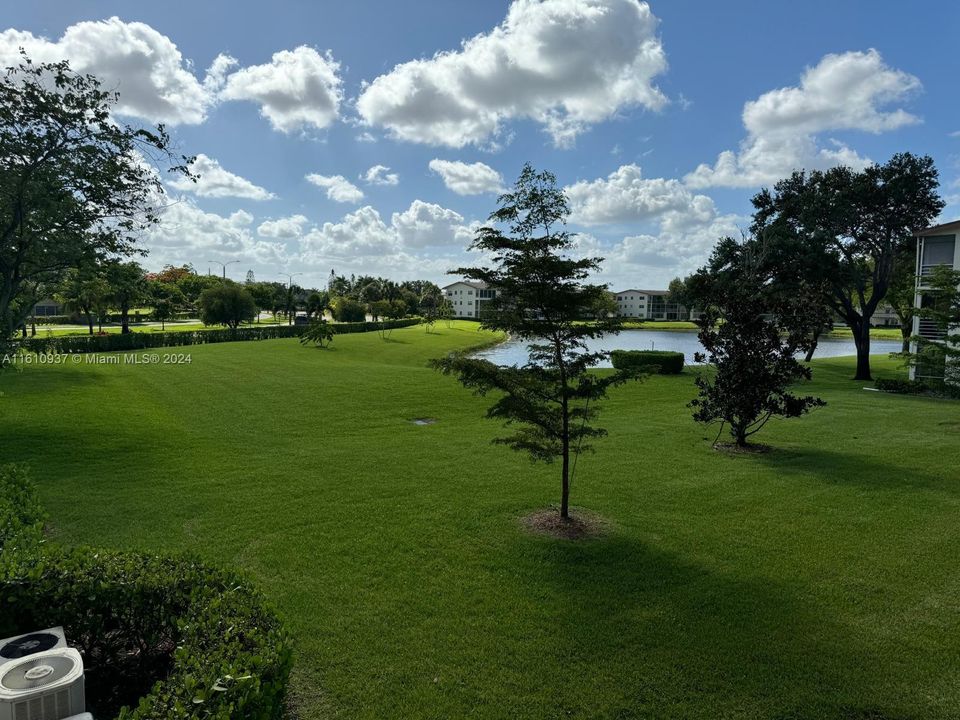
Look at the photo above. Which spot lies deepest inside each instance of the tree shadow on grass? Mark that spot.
(639, 632)
(840, 468)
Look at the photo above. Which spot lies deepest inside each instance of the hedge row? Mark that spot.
(21, 515)
(161, 636)
(664, 361)
(75, 319)
(900, 386)
(70, 344)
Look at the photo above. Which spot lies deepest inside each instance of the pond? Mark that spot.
(514, 352)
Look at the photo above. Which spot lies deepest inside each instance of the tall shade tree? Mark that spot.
(852, 226)
(74, 183)
(228, 305)
(541, 294)
(128, 288)
(751, 333)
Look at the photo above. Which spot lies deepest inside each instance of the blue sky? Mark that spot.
(660, 119)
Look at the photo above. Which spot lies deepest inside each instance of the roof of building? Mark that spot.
(475, 284)
(643, 292)
(945, 227)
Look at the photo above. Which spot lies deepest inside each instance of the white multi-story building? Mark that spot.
(649, 305)
(468, 297)
(937, 245)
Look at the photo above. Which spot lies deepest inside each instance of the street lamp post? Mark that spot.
(223, 265)
(290, 277)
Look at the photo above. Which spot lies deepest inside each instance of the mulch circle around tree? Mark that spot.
(734, 449)
(581, 525)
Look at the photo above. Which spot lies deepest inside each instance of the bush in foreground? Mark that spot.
(21, 515)
(666, 362)
(161, 637)
(901, 386)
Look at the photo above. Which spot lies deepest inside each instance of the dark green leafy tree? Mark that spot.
(849, 227)
(128, 288)
(902, 293)
(345, 309)
(167, 299)
(74, 186)
(227, 305)
(319, 332)
(541, 294)
(751, 333)
(84, 291)
(317, 304)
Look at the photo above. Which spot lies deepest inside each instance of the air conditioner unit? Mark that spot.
(30, 643)
(44, 686)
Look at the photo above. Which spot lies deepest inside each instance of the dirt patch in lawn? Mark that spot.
(734, 449)
(423, 421)
(581, 525)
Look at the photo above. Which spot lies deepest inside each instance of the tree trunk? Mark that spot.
(565, 490)
(813, 346)
(124, 321)
(740, 435)
(906, 330)
(861, 338)
(89, 321)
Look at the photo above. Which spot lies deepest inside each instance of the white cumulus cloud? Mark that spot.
(565, 64)
(625, 196)
(380, 175)
(297, 89)
(145, 67)
(468, 178)
(283, 228)
(187, 234)
(426, 224)
(216, 182)
(338, 187)
(848, 91)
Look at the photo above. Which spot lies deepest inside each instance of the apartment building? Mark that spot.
(649, 305)
(467, 297)
(936, 246)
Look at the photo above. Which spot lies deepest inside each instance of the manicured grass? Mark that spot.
(170, 327)
(818, 581)
(884, 333)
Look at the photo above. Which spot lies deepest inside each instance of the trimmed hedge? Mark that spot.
(900, 386)
(70, 344)
(666, 362)
(21, 515)
(80, 319)
(161, 637)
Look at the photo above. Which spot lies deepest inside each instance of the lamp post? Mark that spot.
(290, 277)
(223, 265)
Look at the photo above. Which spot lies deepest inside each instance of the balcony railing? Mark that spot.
(929, 330)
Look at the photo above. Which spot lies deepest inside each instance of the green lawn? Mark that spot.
(819, 581)
(60, 331)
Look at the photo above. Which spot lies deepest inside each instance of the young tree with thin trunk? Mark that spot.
(541, 296)
(751, 333)
(857, 222)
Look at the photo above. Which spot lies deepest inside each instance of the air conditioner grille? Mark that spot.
(37, 672)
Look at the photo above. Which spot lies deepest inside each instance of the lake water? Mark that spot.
(515, 351)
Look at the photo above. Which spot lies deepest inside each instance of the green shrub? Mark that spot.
(161, 637)
(21, 515)
(900, 386)
(666, 362)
